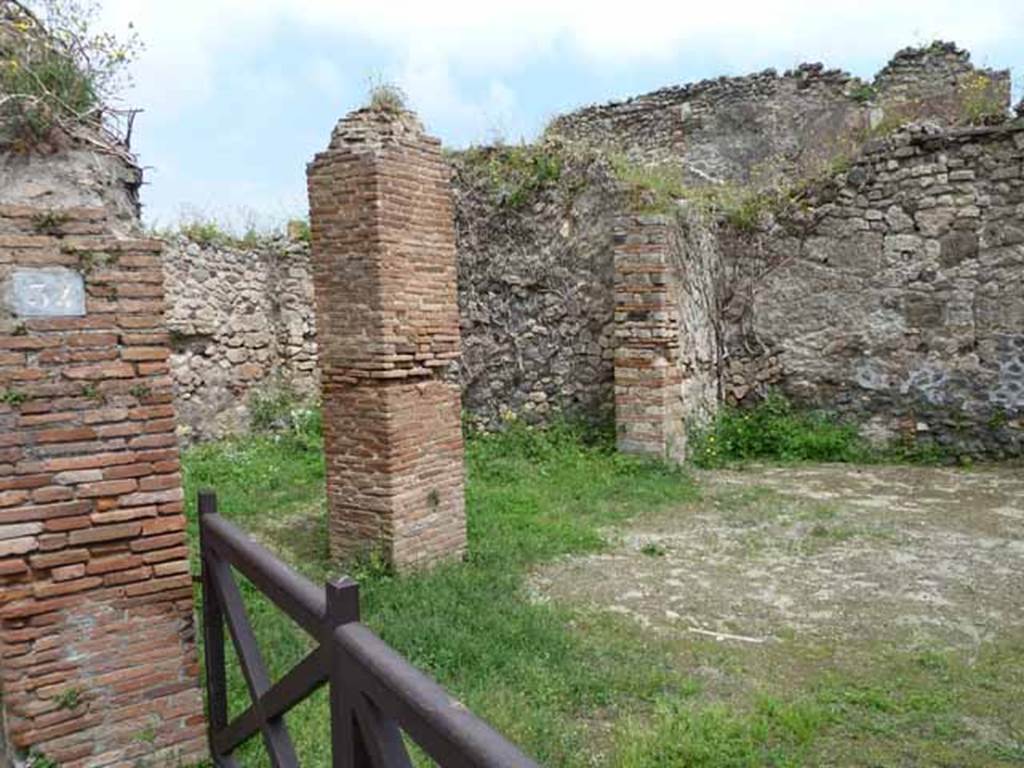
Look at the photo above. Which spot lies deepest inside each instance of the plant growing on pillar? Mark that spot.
(12, 397)
(387, 98)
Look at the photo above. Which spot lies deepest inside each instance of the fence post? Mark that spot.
(213, 632)
(342, 608)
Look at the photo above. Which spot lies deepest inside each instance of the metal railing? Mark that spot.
(375, 694)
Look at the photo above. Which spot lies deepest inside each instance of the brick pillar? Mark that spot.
(97, 650)
(649, 413)
(384, 271)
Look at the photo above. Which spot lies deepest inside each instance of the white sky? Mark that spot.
(469, 65)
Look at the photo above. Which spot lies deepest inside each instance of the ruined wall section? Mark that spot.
(667, 357)
(897, 295)
(535, 299)
(98, 661)
(536, 294)
(241, 320)
(763, 126)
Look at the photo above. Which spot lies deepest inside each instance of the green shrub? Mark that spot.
(863, 92)
(774, 429)
(298, 230)
(56, 72)
(980, 101)
(206, 232)
(279, 411)
(12, 397)
(515, 174)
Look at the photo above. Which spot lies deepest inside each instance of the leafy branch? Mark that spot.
(60, 78)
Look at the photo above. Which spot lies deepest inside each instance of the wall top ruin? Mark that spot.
(371, 128)
(752, 127)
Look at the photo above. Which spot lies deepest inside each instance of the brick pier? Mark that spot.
(98, 664)
(649, 412)
(384, 270)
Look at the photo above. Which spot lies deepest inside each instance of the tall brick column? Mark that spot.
(384, 270)
(649, 412)
(98, 663)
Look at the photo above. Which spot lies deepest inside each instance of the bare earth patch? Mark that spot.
(823, 551)
(889, 596)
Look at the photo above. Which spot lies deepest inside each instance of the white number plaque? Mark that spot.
(50, 292)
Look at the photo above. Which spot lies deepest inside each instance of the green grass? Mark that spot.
(579, 688)
(773, 733)
(540, 673)
(776, 430)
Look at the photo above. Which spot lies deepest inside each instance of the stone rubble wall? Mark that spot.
(897, 295)
(755, 128)
(241, 320)
(535, 298)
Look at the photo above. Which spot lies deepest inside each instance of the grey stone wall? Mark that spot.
(896, 294)
(892, 292)
(535, 300)
(535, 293)
(758, 127)
(698, 268)
(241, 320)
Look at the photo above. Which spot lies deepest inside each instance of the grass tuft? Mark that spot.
(774, 429)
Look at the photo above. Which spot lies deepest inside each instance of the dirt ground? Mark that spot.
(780, 577)
(858, 552)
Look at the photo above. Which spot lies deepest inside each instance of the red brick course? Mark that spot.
(98, 662)
(384, 272)
(649, 415)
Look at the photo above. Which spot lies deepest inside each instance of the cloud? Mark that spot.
(480, 70)
(185, 38)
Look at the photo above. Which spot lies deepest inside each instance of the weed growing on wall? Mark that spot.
(980, 100)
(387, 98)
(863, 92)
(658, 188)
(57, 73)
(515, 174)
(245, 231)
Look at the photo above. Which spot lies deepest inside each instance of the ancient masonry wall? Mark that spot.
(241, 321)
(667, 344)
(535, 308)
(384, 273)
(897, 297)
(762, 126)
(97, 649)
(856, 303)
(536, 294)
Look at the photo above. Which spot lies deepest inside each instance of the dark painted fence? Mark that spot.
(375, 694)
